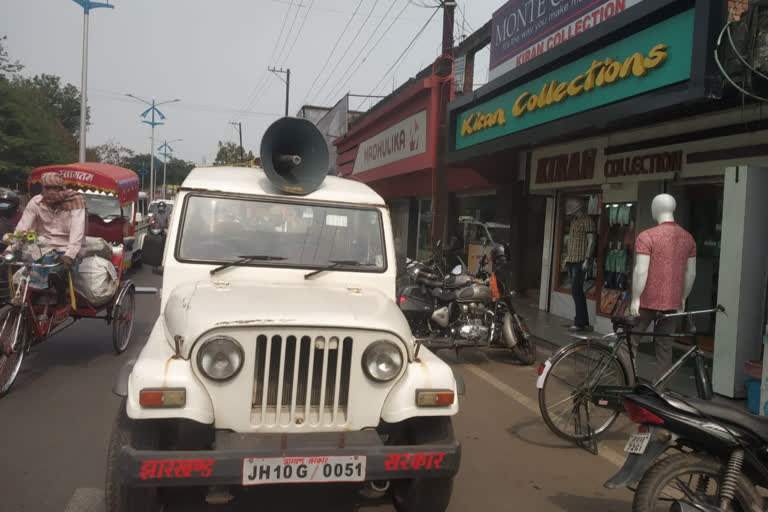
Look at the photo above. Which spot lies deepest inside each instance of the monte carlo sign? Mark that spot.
(524, 29)
(647, 60)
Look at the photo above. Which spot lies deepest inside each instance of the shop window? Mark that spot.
(424, 233)
(592, 204)
(616, 254)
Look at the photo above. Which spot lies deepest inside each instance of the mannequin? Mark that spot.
(665, 268)
(581, 245)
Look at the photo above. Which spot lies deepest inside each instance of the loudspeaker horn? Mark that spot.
(294, 155)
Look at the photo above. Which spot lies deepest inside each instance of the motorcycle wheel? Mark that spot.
(700, 475)
(525, 351)
(10, 363)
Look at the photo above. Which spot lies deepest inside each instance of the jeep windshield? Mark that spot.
(222, 229)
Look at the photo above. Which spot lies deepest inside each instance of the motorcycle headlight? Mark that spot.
(155, 231)
(220, 358)
(382, 361)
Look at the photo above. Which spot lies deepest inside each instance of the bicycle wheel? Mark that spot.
(565, 398)
(10, 359)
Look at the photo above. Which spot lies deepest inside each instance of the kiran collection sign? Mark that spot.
(524, 29)
(647, 60)
(403, 140)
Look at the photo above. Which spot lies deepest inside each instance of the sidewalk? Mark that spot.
(552, 330)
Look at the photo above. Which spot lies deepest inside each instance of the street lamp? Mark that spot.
(87, 5)
(152, 110)
(166, 151)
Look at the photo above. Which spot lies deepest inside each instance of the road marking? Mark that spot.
(86, 499)
(606, 453)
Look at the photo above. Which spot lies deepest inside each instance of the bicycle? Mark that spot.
(578, 406)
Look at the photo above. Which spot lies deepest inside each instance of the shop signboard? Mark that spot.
(656, 57)
(522, 30)
(459, 71)
(403, 140)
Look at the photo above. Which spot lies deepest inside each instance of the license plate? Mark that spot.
(637, 443)
(294, 470)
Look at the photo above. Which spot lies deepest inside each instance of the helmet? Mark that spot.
(498, 255)
(9, 201)
(161, 206)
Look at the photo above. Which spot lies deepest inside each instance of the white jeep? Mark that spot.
(280, 355)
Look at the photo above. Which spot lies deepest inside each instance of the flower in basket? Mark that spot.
(7, 238)
(31, 236)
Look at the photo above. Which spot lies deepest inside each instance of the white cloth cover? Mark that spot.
(96, 280)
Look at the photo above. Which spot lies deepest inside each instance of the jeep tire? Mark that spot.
(139, 435)
(425, 494)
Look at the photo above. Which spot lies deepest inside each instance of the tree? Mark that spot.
(29, 136)
(7, 67)
(176, 169)
(62, 100)
(229, 153)
(111, 153)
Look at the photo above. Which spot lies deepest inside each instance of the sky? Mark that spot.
(213, 55)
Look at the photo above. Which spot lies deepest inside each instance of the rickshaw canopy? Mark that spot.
(91, 176)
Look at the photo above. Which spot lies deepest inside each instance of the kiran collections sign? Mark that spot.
(655, 57)
(524, 29)
(403, 140)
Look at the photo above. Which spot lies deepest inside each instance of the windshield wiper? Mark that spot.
(246, 259)
(336, 264)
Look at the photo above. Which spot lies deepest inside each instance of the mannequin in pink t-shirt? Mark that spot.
(665, 268)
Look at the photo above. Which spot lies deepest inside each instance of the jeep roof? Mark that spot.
(253, 181)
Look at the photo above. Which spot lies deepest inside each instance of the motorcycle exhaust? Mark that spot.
(379, 485)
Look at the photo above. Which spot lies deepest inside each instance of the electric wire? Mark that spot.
(301, 28)
(410, 45)
(346, 52)
(265, 75)
(290, 31)
(336, 44)
(343, 81)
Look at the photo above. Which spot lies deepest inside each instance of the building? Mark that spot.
(616, 113)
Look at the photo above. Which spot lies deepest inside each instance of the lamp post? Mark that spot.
(165, 151)
(152, 122)
(87, 5)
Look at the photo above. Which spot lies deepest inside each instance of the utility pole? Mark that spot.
(166, 151)
(152, 122)
(287, 81)
(240, 131)
(444, 70)
(87, 5)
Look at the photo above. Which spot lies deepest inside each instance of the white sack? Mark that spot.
(96, 280)
(94, 246)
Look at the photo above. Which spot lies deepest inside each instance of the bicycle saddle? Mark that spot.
(623, 321)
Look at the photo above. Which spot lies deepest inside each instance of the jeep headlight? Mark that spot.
(382, 361)
(220, 358)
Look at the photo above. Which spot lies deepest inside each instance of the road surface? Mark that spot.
(57, 419)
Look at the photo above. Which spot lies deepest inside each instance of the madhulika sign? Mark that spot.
(524, 29)
(650, 59)
(403, 140)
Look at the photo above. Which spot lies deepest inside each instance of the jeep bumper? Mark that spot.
(232, 460)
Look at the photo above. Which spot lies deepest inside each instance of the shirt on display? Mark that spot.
(578, 240)
(669, 247)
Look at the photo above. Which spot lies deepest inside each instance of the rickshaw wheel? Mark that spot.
(122, 320)
(10, 364)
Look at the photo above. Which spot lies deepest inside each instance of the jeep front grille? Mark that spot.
(301, 380)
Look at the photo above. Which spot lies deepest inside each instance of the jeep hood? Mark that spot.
(195, 308)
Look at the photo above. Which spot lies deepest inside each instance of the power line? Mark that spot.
(290, 31)
(413, 41)
(311, 87)
(301, 28)
(264, 76)
(359, 30)
(343, 81)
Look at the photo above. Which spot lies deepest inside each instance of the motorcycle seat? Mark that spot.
(730, 414)
(444, 295)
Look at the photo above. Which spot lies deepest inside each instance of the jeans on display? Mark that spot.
(576, 275)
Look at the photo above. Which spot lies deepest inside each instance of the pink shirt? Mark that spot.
(63, 229)
(669, 247)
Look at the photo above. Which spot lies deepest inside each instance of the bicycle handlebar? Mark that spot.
(717, 309)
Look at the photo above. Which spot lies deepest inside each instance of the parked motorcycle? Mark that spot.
(692, 455)
(460, 310)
